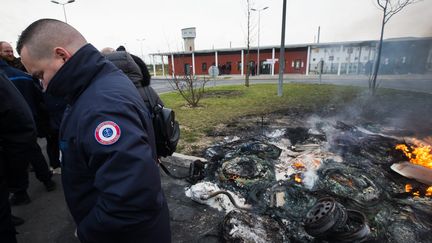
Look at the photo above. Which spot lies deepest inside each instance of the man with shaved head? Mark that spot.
(6, 51)
(7, 55)
(110, 174)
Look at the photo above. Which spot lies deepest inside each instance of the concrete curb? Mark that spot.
(181, 160)
(314, 76)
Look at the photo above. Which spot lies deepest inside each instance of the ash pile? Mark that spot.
(328, 182)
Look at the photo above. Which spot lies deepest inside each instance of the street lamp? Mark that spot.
(63, 4)
(258, 54)
(141, 45)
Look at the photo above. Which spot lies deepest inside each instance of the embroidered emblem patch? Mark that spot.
(107, 133)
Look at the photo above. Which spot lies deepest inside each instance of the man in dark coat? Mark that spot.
(110, 175)
(16, 129)
(125, 62)
(7, 55)
(32, 151)
(142, 66)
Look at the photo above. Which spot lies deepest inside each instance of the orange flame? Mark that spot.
(408, 188)
(429, 191)
(419, 155)
(297, 178)
(298, 165)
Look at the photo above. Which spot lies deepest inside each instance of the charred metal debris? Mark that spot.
(330, 182)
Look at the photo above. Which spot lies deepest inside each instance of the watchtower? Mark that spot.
(189, 35)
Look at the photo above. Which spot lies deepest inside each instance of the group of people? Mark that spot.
(109, 168)
(31, 153)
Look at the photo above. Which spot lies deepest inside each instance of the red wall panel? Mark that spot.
(295, 60)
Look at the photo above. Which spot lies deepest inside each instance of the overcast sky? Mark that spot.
(219, 23)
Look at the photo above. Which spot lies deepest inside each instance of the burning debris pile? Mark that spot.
(329, 182)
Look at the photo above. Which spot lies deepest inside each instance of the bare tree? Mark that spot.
(190, 88)
(389, 9)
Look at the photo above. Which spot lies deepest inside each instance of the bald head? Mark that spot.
(107, 50)
(6, 51)
(46, 45)
(43, 35)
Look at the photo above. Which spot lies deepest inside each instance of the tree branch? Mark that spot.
(394, 9)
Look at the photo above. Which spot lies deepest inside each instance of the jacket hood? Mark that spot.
(75, 75)
(126, 63)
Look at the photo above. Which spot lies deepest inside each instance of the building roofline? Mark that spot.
(313, 45)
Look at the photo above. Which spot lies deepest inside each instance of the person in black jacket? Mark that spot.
(17, 128)
(110, 175)
(33, 96)
(125, 62)
(142, 66)
(7, 55)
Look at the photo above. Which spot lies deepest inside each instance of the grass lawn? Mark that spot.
(226, 103)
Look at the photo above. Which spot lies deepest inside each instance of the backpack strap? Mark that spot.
(153, 100)
(149, 98)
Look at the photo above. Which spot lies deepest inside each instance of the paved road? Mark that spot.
(418, 83)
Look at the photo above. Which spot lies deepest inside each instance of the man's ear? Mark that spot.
(62, 53)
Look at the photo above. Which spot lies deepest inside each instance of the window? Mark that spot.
(331, 58)
(239, 66)
(204, 67)
(297, 64)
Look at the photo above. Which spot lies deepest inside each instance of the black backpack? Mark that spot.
(166, 128)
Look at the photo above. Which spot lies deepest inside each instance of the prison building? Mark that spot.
(399, 56)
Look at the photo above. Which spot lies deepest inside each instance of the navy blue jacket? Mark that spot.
(16, 130)
(110, 174)
(32, 92)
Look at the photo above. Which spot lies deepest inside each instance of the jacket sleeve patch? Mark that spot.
(107, 133)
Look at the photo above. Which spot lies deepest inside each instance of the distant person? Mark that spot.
(7, 55)
(27, 86)
(17, 128)
(368, 67)
(110, 174)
